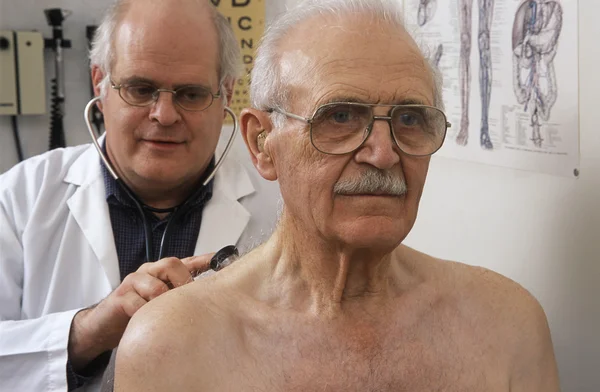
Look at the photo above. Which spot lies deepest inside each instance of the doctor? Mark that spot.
(73, 264)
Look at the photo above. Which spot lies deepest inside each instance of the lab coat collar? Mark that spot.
(224, 218)
(89, 208)
(86, 168)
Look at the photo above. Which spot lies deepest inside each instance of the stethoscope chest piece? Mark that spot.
(223, 258)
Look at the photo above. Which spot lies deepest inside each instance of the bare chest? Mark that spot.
(300, 357)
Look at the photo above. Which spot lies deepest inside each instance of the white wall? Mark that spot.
(542, 231)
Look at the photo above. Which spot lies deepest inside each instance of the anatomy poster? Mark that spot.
(510, 71)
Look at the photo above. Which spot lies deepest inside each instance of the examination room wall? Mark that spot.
(540, 230)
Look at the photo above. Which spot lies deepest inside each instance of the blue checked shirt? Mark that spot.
(128, 227)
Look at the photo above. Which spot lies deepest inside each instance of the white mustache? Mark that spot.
(372, 181)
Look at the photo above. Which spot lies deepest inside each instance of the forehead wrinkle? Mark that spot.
(380, 86)
(340, 92)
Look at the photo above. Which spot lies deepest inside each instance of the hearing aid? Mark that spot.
(260, 140)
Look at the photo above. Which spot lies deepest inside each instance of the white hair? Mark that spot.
(267, 88)
(102, 51)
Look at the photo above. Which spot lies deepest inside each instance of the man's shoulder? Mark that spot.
(496, 313)
(482, 293)
(494, 302)
(190, 309)
(178, 330)
(486, 289)
(491, 289)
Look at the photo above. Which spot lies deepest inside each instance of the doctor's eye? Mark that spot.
(140, 91)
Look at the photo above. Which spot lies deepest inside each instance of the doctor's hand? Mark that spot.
(100, 328)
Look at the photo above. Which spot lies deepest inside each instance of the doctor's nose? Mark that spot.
(164, 110)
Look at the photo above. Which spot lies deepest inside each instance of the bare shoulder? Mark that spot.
(168, 340)
(511, 318)
(479, 288)
(495, 297)
(519, 321)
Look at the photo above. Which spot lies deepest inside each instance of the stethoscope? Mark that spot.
(176, 212)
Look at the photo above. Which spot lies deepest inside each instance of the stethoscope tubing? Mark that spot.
(177, 211)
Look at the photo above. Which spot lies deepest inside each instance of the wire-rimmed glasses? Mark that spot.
(193, 98)
(342, 127)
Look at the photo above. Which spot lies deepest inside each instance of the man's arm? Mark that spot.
(535, 368)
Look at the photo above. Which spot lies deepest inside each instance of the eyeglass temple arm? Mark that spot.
(291, 115)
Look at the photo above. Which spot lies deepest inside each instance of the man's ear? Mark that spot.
(229, 85)
(256, 127)
(97, 78)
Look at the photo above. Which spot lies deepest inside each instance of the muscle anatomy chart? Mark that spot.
(486, 11)
(510, 70)
(536, 30)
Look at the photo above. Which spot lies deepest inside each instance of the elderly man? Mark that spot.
(74, 249)
(346, 122)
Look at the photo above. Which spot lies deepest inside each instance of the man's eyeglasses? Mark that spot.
(342, 127)
(192, 98)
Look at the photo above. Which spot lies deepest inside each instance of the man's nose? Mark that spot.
(380, 149)
(164, 110)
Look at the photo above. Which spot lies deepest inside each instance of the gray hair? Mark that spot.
(267, 89)
(102, 51)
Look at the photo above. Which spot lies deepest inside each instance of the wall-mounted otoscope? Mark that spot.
(55, 18)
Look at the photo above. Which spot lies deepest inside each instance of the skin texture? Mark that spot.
(160, 151)
(333, 301)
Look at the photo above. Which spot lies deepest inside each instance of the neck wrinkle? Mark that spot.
(321, 277)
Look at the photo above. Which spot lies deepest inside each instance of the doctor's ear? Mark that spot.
(228, 86)
(97, 78)
(256, 127)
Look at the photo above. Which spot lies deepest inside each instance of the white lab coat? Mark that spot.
(57, 253)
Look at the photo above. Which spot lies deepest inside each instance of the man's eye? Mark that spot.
(340, 117)
(141, 91)
(409, 119)
(193, 94)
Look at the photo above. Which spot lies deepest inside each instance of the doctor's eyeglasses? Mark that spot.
(342, 127)
(192, 98)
